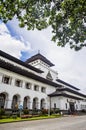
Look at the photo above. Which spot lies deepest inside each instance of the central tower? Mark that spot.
(42, 63)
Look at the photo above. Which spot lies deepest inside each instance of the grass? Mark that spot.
(9, 120)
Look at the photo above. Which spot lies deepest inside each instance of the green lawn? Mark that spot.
(8, 120)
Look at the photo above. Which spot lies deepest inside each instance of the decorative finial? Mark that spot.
(38, 51)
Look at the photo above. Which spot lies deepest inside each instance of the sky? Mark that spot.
(22, 44)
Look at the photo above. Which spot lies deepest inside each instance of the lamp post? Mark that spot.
(49, 105)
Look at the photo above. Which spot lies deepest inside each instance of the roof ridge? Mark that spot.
(41, 57)
(20, 62)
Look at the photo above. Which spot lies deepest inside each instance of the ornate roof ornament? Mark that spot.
(49, 76)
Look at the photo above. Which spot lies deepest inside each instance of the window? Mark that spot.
(54, 105)
(66, 105)
(28, 85)
(36, 87)
(6, 79)
(76, 106)
(15, 102)
(18, 83)
(83, 106)
(43, 89)
(2, 100)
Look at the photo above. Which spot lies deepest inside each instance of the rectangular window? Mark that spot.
(18, 83)
(43, 89)
(6, 79)
(36, 87)
(28, 85)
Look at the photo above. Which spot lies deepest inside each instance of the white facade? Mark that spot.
(11, 89)
(63, 103)
(18, 89)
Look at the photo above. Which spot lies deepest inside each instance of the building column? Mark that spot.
(38, 105)
(23, 84)
(8, 102)
(1, 76)
(45, 105)
(13, 82)
(21, 101)
(28, 104)
(31, 104)
(32, 86)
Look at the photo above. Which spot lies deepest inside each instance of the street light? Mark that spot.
(49, 105)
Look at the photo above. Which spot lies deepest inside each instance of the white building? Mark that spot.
(33, 84)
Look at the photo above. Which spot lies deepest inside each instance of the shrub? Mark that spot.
(2, 112)
(57, 110)
(83, 110)
(34, 111)
(14, 116)
(18, 114)
(5, 117)
(26, 111)
(39, 113)
(44, 111)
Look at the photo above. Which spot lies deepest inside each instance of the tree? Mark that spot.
(66, 17)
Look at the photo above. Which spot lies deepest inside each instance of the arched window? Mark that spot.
(2, 100)
(15, 102)
(42, 105)
(35, 103)
(26, 102)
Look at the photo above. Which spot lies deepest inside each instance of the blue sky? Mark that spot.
(70, 65)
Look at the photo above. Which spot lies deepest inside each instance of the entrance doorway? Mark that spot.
(72, 107)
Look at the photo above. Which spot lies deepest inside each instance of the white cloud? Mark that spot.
(10, 44)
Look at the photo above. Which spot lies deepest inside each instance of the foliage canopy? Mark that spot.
(66, 17)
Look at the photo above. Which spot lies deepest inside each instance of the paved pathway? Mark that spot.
(64, 123)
